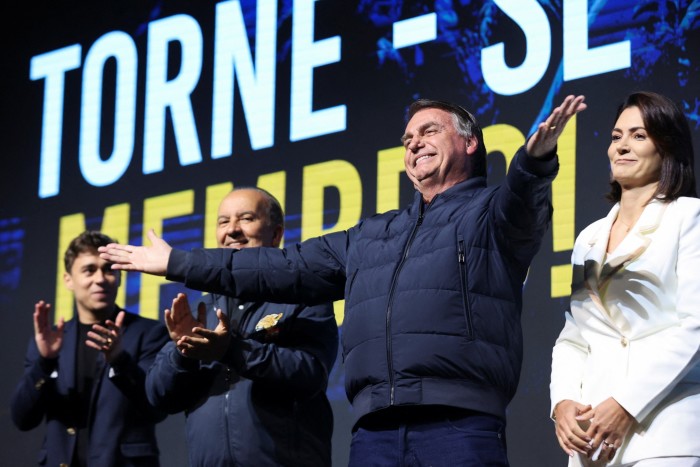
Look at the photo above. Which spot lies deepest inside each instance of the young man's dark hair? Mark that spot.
(87, 242)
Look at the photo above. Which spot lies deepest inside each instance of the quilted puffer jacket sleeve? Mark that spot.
(311, 272)
(522, 209)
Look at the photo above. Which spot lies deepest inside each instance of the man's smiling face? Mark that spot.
(243, 221)
(436, 154)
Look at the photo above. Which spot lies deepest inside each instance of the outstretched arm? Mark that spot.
(149, 259)
(544, 140)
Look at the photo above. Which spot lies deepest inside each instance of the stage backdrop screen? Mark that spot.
(126, 116)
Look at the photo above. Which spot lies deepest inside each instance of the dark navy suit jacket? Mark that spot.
(122, 422)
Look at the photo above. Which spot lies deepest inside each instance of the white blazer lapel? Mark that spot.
(631, 248)
(593, 260)
(637, 240)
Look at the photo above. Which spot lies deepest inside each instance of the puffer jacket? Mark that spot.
(264, 403)
(433, 292)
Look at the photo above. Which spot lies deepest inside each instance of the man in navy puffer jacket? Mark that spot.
(431, 337)
(252, 379)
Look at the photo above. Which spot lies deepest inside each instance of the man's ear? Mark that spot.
(68, 281)
(472, 145)
(277, 236)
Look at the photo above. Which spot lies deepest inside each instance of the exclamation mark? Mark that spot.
(564, 202)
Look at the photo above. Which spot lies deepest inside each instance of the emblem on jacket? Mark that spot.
(268, 325)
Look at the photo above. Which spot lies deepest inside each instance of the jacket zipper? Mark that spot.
(227, 414)
(227, 398)
(389, 357)
(463, 275)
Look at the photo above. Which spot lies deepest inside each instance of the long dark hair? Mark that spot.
(669, 131)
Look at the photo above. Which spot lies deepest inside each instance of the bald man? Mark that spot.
(250, 376)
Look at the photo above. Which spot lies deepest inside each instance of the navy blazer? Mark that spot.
(122, 422)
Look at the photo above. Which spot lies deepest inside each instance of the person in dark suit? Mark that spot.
(85, 377)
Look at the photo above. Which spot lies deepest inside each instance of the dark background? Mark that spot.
(376, 84)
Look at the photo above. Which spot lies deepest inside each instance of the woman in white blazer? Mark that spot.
(625, 383)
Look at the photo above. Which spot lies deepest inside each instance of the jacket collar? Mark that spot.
(599, 267)
(633, 245)
(458, 189)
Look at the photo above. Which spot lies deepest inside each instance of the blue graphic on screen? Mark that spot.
(658, 32)
(11, 249)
